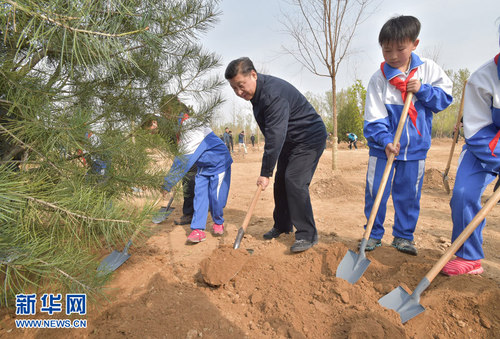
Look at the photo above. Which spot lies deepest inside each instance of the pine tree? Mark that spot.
(77, 78)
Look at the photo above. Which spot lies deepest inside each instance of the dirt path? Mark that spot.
(159, 292)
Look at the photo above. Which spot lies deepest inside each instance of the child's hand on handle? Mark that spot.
(263, 182)
(391, 149)
(413, 85)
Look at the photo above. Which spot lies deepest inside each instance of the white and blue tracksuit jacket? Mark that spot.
(199, 145)
(478, 163)
(383, 109)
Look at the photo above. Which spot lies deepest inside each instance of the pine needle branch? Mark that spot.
(29, 147)
(73, 29)
(67, 276)
(42, 202)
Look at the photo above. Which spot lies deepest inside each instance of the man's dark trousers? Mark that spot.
(295, 169)
(188, 191)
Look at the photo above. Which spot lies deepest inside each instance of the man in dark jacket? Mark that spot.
(227, 139)
(295, 138)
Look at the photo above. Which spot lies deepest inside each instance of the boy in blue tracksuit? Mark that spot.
(479, 163)
(402, 72)
(200, 146)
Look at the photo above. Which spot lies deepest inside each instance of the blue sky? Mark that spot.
(462, 33)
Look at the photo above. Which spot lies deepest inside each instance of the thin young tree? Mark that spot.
(75, 78)
(323, 31)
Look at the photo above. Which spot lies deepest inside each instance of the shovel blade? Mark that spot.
(161, 215)
(112, 262)
(239, 236)
(352, 267)
(446, 184)
(408, 306)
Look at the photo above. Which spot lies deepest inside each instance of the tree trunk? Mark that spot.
(335, 138)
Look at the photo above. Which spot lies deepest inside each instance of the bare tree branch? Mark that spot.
(322, 35)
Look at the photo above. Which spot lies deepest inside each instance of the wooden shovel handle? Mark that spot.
(388, 166)
(457, 130)
(251, 208)
(492, 201)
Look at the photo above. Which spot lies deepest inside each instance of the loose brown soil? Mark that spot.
(166, 288)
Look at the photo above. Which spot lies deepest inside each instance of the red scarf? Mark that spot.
(181, 120)
(493, 143)
(401, 86)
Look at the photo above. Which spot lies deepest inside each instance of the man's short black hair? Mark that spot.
(400, 29)
(242, 65)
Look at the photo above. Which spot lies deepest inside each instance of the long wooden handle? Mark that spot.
(388, 167)
(492, 201)
(456, 132)
(251, 208)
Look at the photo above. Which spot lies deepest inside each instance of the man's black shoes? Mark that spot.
(273, 233)
(184, 220)
(301, 245)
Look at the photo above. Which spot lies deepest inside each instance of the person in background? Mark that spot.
(227, 139)
(402, 71)
(295, 137)
(353, 138)
(479, 164)
(231, 141)
(252, 139)
(241, 141)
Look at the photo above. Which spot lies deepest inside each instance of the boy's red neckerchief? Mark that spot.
(401, 86)
(181, 120)
(493, 143)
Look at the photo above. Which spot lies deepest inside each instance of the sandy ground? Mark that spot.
(160, 291)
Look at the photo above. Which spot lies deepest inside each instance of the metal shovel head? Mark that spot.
(446, 184)
(113, 261)
(161, 215)
(352, 267)
(239, 236)
(408, 306)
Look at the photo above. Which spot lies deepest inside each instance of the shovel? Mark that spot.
(455, 137)
(116, 258)
(408, 306)
(352, 267)
(163, 212)
(243, 227)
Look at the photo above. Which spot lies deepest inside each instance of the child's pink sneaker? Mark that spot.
(218, 229)
(459, 266)
(197, 236)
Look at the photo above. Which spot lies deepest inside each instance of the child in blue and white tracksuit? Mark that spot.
(383, 108)
(201, 147)
(479, 163)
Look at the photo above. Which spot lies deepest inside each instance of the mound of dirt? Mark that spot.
(301, 297)
(222, 265)
(165, 311)
(433, 179)
(335, 187)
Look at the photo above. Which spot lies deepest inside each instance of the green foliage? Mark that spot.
(350, 108)
(68, 68)
(351, 111)
(444, 122)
